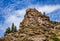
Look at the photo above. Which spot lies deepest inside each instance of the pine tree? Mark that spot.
(44, 13)
(15, 29)
(8, 31)
(12, 27)
(11, 30)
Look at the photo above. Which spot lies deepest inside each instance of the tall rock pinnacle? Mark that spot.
(34, 17)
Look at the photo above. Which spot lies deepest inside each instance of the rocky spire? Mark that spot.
(34, 17)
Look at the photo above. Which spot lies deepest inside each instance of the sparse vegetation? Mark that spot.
(55, 38)
(54, 22)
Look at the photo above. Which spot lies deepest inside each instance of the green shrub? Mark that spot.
(55, 38)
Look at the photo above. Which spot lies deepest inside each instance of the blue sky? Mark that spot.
(13, 11)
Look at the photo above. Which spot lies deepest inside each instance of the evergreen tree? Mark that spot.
(15, 29)
(12, 27)
(44, 13)
(8, 31)
(11, 30)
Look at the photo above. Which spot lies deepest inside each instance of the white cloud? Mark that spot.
(16, 17)
(46, 8)
(20, 12)
(13, 19)
(49, 9)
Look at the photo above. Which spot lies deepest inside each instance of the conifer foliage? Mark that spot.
(11, 29)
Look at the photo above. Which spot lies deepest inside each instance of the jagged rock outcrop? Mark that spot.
(34, 17)
(34, 27)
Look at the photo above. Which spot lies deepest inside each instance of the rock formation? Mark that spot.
(34, 27)
(34, 17)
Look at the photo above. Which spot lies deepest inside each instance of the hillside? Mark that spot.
(35, 27)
